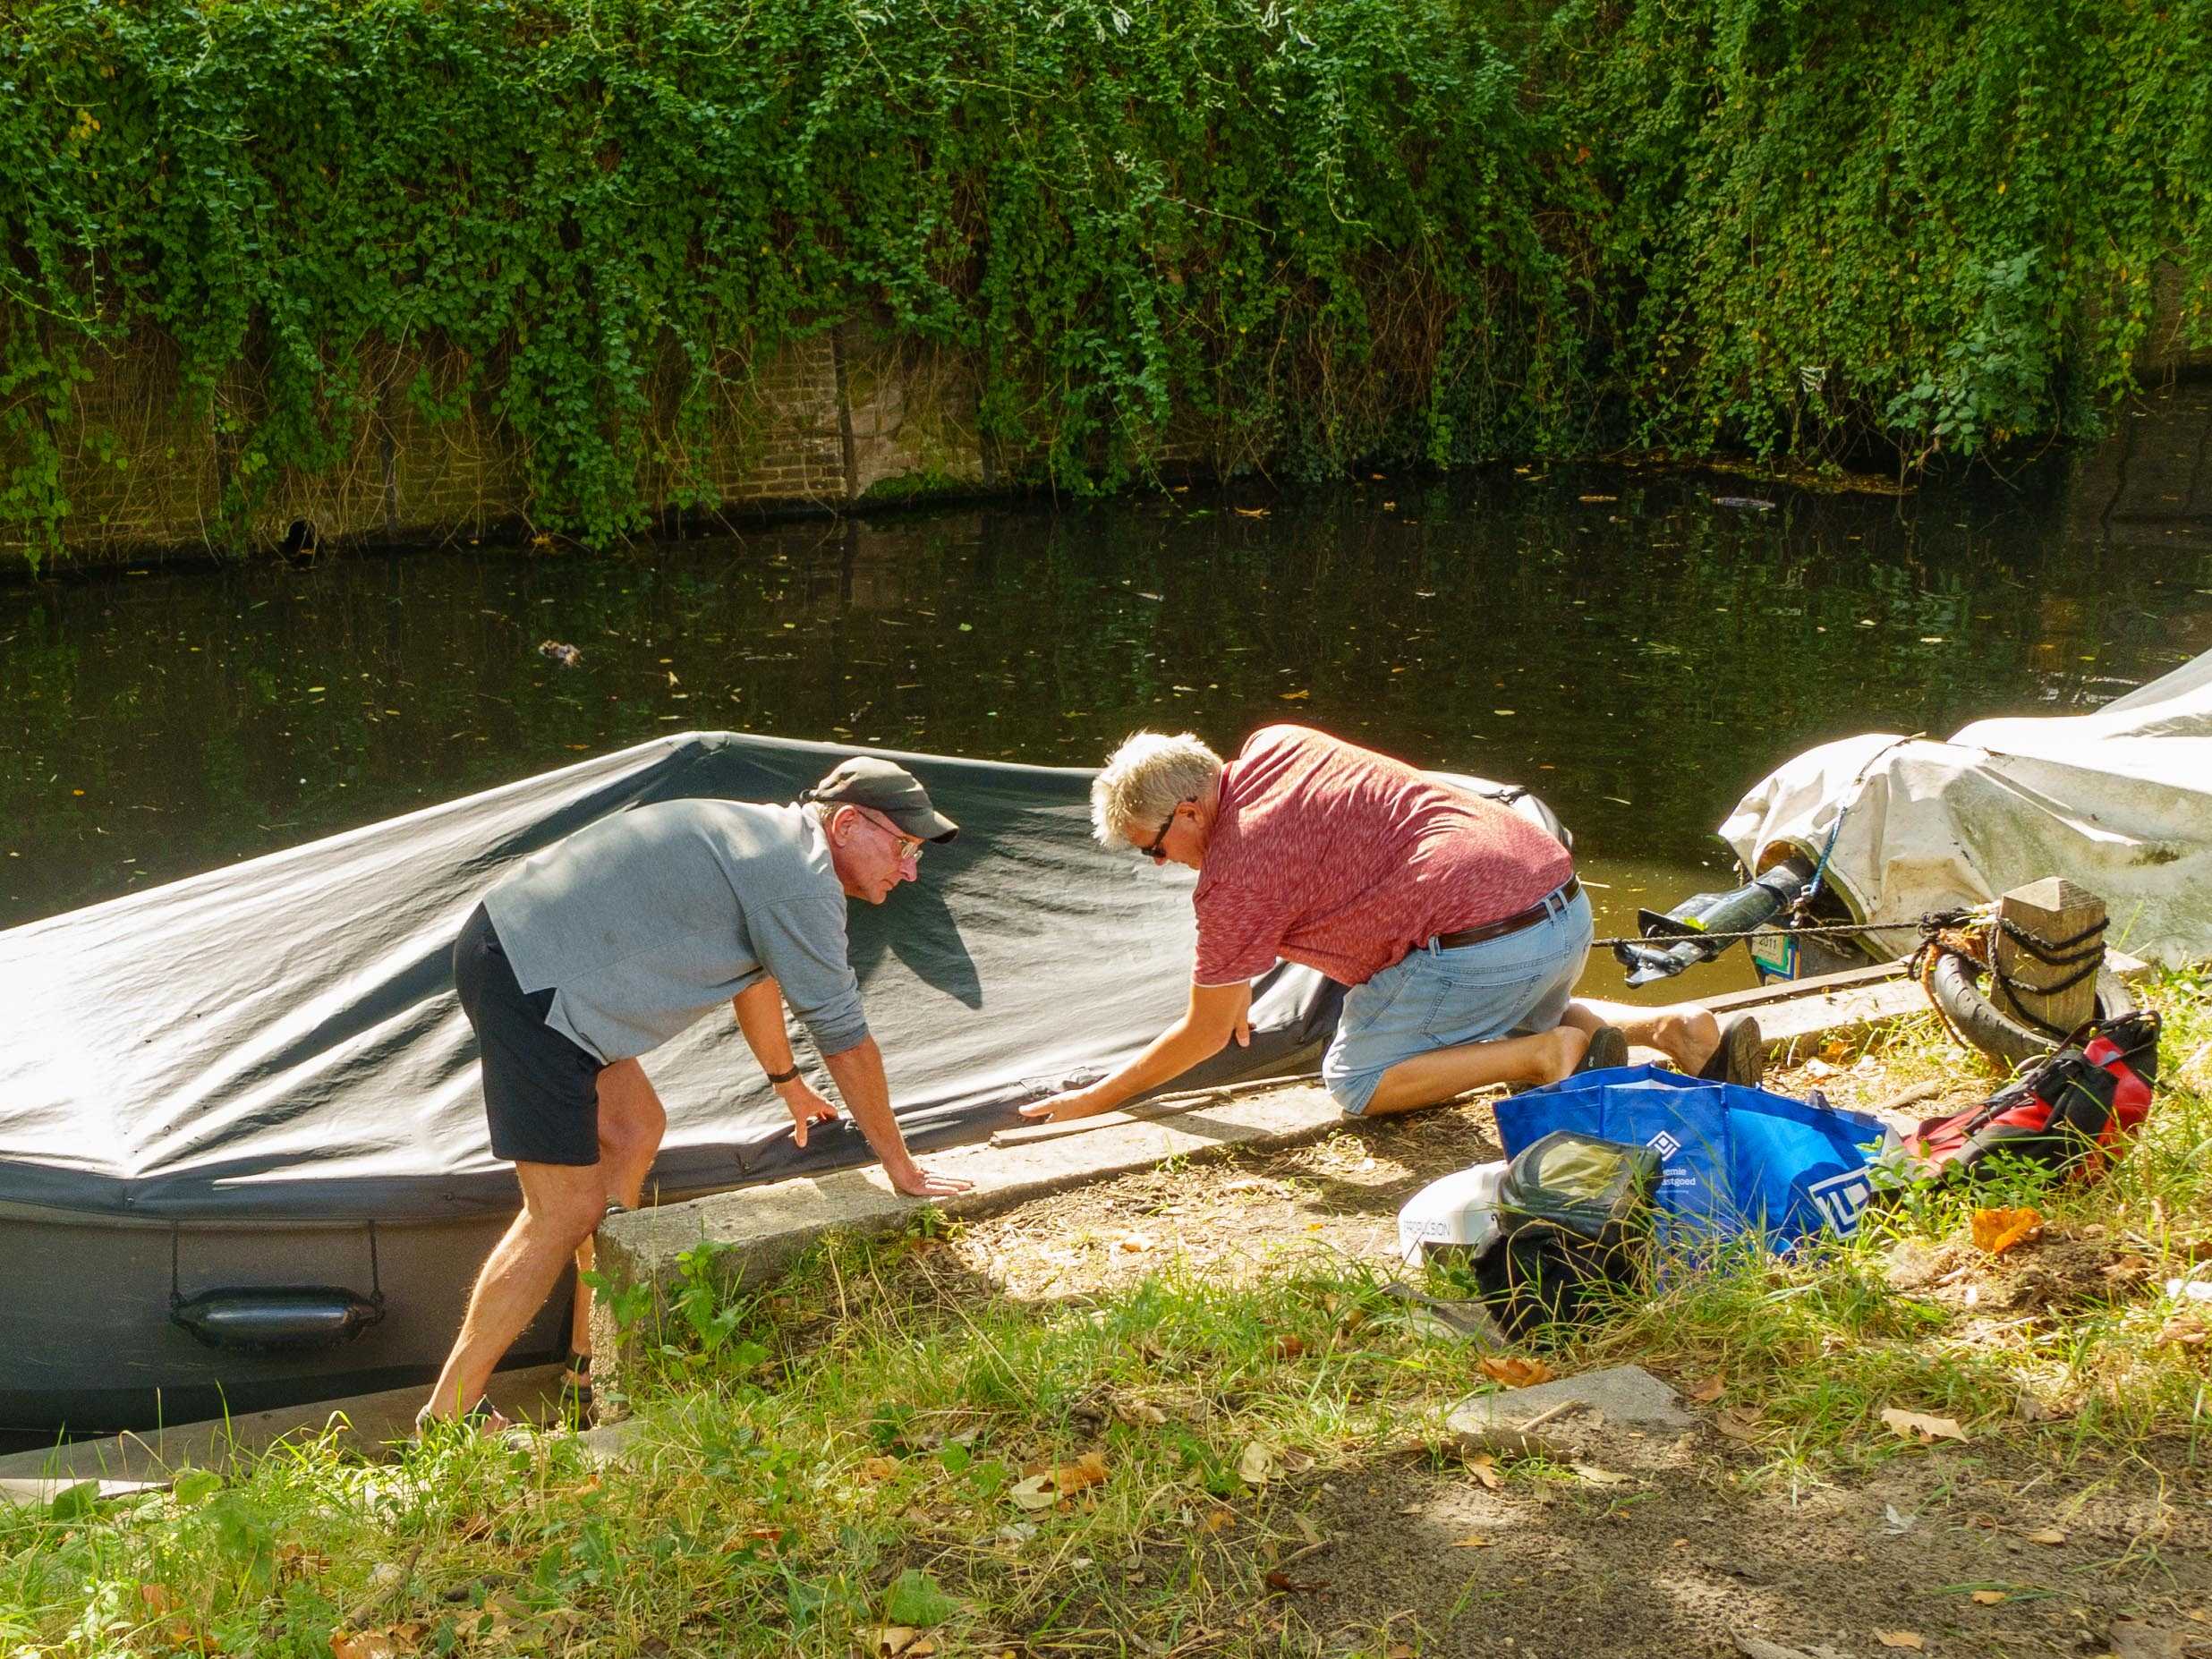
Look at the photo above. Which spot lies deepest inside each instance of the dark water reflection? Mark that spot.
(1612, 637)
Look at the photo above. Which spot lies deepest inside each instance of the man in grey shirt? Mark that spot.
(606, 944)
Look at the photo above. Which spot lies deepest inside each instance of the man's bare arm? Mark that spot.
(759, 1008)
(859, 1074)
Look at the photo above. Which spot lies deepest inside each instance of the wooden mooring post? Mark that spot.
(2065, 922)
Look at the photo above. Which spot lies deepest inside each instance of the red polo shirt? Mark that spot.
(1333, 855)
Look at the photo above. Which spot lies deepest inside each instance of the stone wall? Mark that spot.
(853, 414)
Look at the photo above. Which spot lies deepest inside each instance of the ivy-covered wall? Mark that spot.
(1289, 233)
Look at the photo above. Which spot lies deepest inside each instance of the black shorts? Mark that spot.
(540, 1090)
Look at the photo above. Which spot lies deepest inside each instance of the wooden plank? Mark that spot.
(1144, 1112)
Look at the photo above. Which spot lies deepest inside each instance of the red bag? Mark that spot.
(2072, 1109)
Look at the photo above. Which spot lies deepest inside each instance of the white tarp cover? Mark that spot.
(2118, 800)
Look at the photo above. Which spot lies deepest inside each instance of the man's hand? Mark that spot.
(808, 1107)
(1062, 1108)
(917, 1182)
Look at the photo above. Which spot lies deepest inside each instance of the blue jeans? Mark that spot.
(1434, 998)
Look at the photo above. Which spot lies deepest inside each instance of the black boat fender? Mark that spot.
(1954, 983)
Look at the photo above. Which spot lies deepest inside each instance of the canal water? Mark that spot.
(1623, 640)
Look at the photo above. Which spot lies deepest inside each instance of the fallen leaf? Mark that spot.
(1284, 1581)
(1086, 1471)
(363, 1645)
(1256, 1465)
(1899, 1638)
(877, 1468)
(890, 1640)
(1399, 1650)
(1289, 1346)
(2046, 1534)
(1597, 497)
(1999, 1230)
(1514, 1371)
(1744, 1423)
(2185, 1330)
(1217, 1520)
(1249, 512)
(1135, 1244)
(1139, 1413)
(1484, 1468)
(1600, 1478)
(1036, 1492)
(1989, 1598)
(1917, 1426)
(1296, 696)
(1047, 1487)
(1709, 1390)
(1473, 1541)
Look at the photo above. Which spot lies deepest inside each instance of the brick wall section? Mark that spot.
(143, 477)
(847, 416)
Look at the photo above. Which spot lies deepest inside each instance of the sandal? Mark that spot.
(1608, 1049)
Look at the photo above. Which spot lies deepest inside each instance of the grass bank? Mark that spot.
(1176, 1414)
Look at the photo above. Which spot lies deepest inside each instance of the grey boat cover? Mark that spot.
(280, 1039)
(2119, 801)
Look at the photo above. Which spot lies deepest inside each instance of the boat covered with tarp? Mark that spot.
(1858, 850)
(244, 1160)
(2118, 800)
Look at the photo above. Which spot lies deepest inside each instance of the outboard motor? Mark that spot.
(1678, 939)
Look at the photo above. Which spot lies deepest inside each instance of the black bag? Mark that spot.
(2072, 1109)
(1574, 1221)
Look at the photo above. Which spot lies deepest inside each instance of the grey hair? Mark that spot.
(1145, 779)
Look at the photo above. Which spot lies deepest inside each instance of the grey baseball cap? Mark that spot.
(867, 780)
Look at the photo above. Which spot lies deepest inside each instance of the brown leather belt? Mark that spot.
(1513, 923)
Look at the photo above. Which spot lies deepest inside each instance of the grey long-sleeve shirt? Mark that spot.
(645, 921)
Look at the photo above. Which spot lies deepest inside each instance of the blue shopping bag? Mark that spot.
(1732, 1159)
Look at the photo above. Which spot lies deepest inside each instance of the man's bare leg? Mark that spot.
(561, 1204)
(1442, 1074)
(1683, 1034)
(631, 1122)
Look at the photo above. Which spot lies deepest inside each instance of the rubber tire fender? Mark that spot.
(1955, 984)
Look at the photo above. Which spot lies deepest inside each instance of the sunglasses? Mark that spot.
(1157, 850)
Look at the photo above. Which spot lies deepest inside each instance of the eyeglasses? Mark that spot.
(1157, 850)
(908, 847)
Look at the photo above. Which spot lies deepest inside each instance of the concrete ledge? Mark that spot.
(365, 1422)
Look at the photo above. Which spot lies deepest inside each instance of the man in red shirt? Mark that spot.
(1458, 926)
